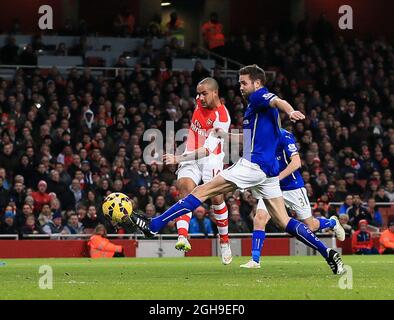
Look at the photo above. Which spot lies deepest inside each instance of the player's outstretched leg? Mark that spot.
(277, 211)
(185, 185)
(201, 193)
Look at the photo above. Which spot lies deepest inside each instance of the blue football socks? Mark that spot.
(306, 236)
(180, 208)
(257, 243)
(326, 223)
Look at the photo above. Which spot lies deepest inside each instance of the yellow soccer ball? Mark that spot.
(116, 206)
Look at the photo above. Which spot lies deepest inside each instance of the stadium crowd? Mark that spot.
(67, 141)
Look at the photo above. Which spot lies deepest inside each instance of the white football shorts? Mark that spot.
(249, 176)
(204, 169)
(296, 200)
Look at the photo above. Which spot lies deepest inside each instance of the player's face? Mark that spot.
(247, 86)
(207, 96)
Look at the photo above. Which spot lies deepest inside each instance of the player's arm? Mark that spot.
(285, 107)
(294, 165)
(194, 155)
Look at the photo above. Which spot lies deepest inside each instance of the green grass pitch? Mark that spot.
(197, 278)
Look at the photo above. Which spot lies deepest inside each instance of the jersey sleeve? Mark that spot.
(289, 145)
(212, 142)
(259, 101)
(222, 120)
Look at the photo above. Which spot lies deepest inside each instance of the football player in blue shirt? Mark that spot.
(257, 170)
(294, 195)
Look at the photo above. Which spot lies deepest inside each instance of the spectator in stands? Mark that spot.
(341, 188)
(332, 194)
(346, 205)
(351, 185)
(9, 53)
(73, 196)
(30, 226)
(64, 177)
(362, 242)
(92, 199)
(377, 220)
(320, 208)
(8, 159)
(199, 223)
(372, 189)
(175, 28)
(160, 204)
(27, 210)
(6, 182)
(54, 225)
(40, 197)
(101, 247)
(45, 214)
(8, 226)
(40, 174)
(154, 27)
(90, 221)
(56, 186)
(344, 219)
(150, 211)
(212, 33)
(162, 73)
(199, 73)
(389, 191)
(143, 198)
(387, 239)
(18, 194)
(358, 212)
(236, 224)
(4, 195)
(381, 195)
(73, 225)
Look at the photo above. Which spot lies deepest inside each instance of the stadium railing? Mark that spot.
(9, 236)
(7, 71)
(226, 61)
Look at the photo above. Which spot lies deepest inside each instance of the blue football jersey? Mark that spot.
(261, 132)
(286, 149)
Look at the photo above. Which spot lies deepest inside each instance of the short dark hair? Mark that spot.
(254, 72)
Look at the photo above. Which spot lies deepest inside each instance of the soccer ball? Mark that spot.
(116, 206)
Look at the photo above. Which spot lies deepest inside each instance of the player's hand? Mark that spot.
(296, 116)
(170, 159)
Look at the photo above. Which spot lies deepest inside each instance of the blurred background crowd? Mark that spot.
(67, 140)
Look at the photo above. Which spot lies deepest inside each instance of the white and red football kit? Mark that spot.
(204, 120)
